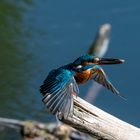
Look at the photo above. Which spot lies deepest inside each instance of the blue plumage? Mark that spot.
(83, 59)
(58, 88)
(60, 85)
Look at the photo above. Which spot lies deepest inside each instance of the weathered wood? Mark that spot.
(97, 123)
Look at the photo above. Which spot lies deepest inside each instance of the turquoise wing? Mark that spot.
(99, 76)
(58, 90)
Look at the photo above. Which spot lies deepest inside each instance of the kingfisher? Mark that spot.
(62, 83)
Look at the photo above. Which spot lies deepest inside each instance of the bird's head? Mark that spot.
(93, 60)
(87, 59)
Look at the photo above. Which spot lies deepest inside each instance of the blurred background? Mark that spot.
(37, 36)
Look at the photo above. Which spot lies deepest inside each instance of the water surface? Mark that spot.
(37, 36)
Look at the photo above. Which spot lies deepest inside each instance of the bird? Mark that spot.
(62, 83)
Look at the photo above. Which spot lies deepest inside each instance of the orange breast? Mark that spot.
(82, 77)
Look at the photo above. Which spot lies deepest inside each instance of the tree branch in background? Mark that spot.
(100, 44)
(33, 130)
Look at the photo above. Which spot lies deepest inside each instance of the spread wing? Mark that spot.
(99, 76)
(58, 90)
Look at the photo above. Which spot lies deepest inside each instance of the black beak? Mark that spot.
(109, 61)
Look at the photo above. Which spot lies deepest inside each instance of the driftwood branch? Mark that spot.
(97, 123)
